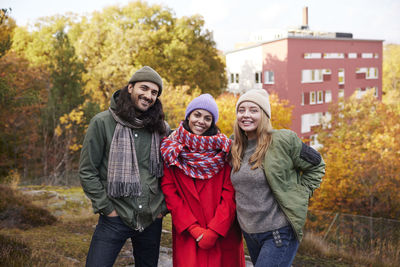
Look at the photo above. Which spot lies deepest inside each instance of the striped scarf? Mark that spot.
(197, 156)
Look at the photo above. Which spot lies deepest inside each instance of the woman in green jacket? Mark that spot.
(274, 174)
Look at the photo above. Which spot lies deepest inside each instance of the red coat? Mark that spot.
(211, 204)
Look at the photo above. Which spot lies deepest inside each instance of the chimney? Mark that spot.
(304, 26)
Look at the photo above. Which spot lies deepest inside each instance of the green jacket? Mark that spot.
(293, 171)
(138, 212)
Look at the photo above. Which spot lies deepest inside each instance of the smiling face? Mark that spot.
(143, 95)
(248, 117)
(200, 121)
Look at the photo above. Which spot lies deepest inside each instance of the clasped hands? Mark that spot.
(205, 238)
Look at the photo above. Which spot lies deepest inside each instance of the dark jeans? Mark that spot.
(111, 234)
(273, 248)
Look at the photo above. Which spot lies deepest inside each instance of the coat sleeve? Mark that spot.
(91, 157)
(182, 216)
(226, 209)
(309, 163)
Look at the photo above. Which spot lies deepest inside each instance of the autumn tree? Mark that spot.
(7, 25)
(391, 74)
(64, 95)
(361, 147)
(117, 41)
(20, 105)
(175, 101)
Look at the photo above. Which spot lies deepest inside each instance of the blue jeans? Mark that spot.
(273, 248)
(110, 236)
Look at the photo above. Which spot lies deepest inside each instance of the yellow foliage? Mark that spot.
(175, 101)
(58, 130)
(361, 154)
(12, 179)
(227, 114)
(75, 147)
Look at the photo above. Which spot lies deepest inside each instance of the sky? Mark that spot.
(232, 21)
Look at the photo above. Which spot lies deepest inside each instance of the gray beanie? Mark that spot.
(257, 96)
(147, 74)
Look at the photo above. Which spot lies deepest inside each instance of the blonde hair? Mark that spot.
(264, 138)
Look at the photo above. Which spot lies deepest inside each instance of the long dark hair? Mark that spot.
(153, 118)
(213, 130)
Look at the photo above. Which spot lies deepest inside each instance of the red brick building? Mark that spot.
(309, 69)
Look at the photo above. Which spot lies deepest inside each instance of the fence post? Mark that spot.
(330, 226)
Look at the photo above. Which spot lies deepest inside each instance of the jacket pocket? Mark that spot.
(294, 201)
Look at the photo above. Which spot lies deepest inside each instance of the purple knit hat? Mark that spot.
(206, 102)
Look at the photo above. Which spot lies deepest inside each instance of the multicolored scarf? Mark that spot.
(197, 156)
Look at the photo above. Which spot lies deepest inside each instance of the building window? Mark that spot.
(312, 55)
(376, 92)
(320, 97)
(311, 76)
(352, 55)
(258, 77)
(237, 77)
(367, 55)
(309, 120)
(269, 77)
(341, 76)
(372, 73)
(314, 141)
(312, 98)
(359, 93)
(376, 55)
(341, 93)
(333, 55)
(328, 96)
(232, 78)
(302, 99)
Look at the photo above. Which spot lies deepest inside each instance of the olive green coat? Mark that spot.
(293, 171)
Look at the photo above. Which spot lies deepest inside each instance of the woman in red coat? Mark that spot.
(198, 191)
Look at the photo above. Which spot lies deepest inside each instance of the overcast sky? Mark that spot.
(232, 21)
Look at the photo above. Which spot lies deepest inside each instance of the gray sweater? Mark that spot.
(257, 208)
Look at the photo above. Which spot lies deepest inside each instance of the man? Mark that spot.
(120, 167)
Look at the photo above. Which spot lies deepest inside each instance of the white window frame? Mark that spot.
(312, 55)
(352, 55)
(376, 91)
(258, 75)
(341, 93)
(333, 55)
(372, 73)
(313, 98)
(313, 76)
(269, 77)
(341, 76)
(328, 96)
(320, 97)
(367, 55)
(309, 120)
